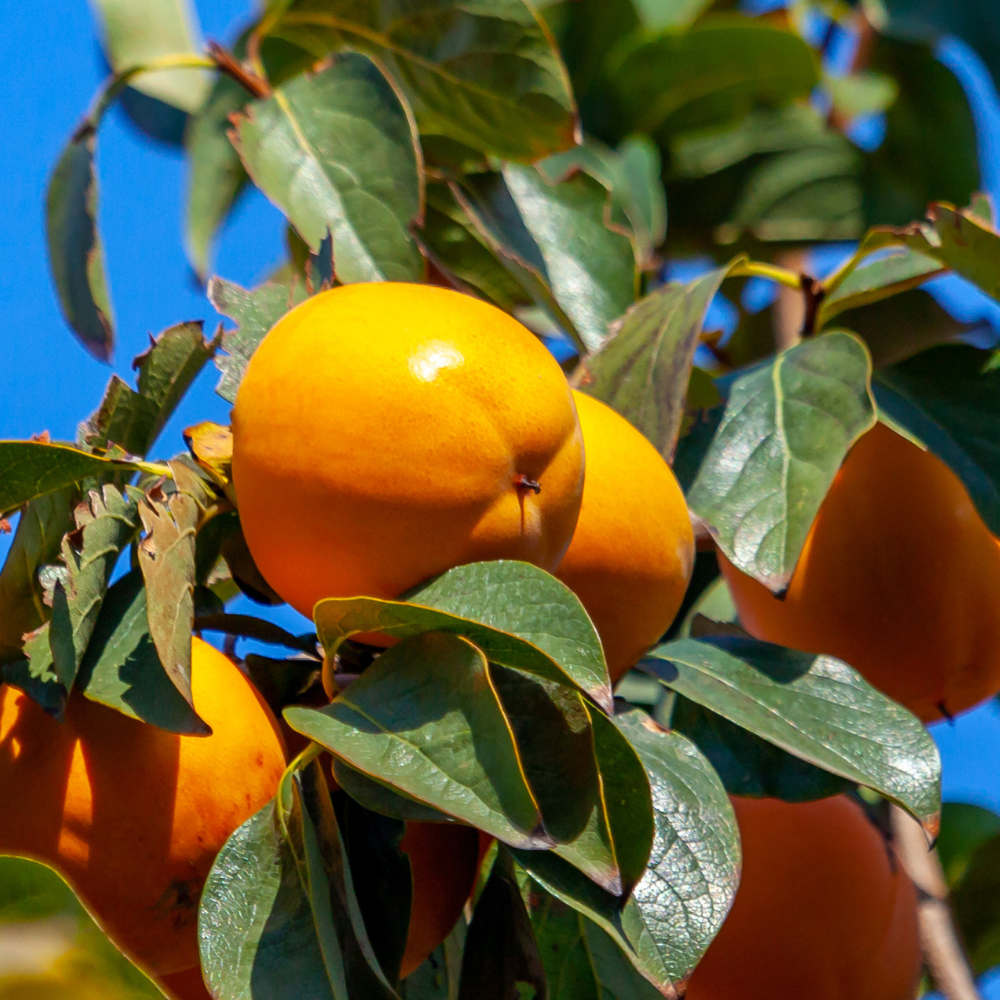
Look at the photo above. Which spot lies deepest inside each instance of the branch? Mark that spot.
(943, 951)
(228, 64)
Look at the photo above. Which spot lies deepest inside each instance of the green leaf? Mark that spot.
(658, 14)
(216, 175)
(582, 962)
(590, 267)
(897, 328)
(425, 718)
(679, 904)
(80, 959)
(136, 34)
(964, 829)
(748, 765)
(815, 707)
(691, 878)
(486, 75)
(256, 928)
(121, 668)
(76, 255)
(974, 903)
(337, 152)
(437, 978)
(254, 312)
(785, 432)
(134, 419)
(886, 276)
(947, 399)
(862, 93)
(453, 244)
(383, 799)
(632, 175)
(556, 241)
(519, 615)
(501, 958)
(106, 523)
(710, 75)
(929, 152)
(167, 560)
(958, 238)
(642, 371)
(315, 836)
(36, 543)
(31, 469)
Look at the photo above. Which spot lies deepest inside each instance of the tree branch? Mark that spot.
(943, 951)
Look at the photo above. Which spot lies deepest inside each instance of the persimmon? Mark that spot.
(823, 910)
(899, 577)
(384, 433)
(133, 816)
(632, 553)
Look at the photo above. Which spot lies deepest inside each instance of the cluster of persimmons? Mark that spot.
(384, 433)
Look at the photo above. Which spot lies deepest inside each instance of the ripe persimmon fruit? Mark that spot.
(133, 816)
(823, 911)
(189, 984)
(386, 432)
(899, 577)
(632, 553)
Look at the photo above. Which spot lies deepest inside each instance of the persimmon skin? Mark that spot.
(132, 816)
(189, 984)
(899, 577)
(822, 911)
(632, 553)
(379, 435)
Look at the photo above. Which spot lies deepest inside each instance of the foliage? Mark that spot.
(549, 160)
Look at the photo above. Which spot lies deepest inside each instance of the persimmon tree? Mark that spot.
(527, 154)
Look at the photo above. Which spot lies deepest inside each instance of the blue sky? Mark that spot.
(47, 382)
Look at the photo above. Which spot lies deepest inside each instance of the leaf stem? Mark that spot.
(758, 269)
(254, 83)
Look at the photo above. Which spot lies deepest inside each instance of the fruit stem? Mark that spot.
(523, 482)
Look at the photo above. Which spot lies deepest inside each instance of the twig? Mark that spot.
(228, 64)
(789, 310)
(943, 952)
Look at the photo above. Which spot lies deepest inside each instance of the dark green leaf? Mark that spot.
(643, 370)
(215, 173)
(786, 430)
(501, 960)
(105, 524)
(658, 14)
(36, 543)
(255, 924)
(964, 829)
(337, 152)
(76, 255)
(167, 560)
(437, 978)
(929, 150)
(749, 765)
(710, 75)
(632, 176)
(383, 799)
(280, 682)
(254, 312)
(30, 469)
(312, 826)
(887, 276)
(426, 719)
(136, 34)
(815, 707)
(122, 670)
(519, 615)
(454, 245)
(948, 399)
(382, 879)
(485, 75)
